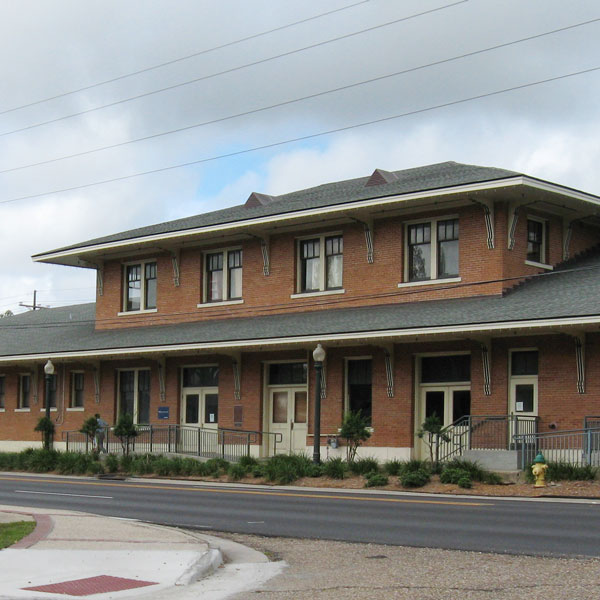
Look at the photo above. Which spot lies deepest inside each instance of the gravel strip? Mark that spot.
(322, 569)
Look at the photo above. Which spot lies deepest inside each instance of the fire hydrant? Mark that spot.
(539, 469)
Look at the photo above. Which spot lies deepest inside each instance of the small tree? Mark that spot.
(46, 427)
(125, 430)
(432, 433)
(355, 430)
(90, 428)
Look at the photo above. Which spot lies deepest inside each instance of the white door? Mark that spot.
(450, 403)
(288, 412)
(200, 407)
(523, 402)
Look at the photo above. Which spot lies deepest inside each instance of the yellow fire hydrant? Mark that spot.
(539, 469)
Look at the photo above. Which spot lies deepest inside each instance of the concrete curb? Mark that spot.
(206, 565)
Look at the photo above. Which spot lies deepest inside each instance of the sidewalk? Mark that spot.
(72, 554)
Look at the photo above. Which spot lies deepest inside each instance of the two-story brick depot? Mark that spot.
(450, 289)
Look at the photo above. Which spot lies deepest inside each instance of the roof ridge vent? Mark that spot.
(379, 177)
(256, 199)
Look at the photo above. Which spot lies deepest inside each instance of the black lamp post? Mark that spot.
(48, 372)
(319, 357)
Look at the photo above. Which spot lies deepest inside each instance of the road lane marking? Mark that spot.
(254, 522)
(59, 494)
(254, 492)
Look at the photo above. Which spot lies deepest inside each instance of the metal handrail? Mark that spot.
(574, 446)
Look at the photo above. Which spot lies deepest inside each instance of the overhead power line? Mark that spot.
(231, 70)
(301, 99)
(303, 137)
(182, 58)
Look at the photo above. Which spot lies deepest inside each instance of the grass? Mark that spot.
(11, 533)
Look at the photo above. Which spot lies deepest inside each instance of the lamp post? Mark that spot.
(48, 372)
(319, 357)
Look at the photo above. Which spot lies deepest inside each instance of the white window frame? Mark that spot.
(544, 246)
(434, 253)
(71, 407)
(514, 380)
(3, 395)
(225, 292)
(322, 291)
(20, 407)
(136, 371)
(142, 309)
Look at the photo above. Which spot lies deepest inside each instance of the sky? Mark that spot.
(269, 97)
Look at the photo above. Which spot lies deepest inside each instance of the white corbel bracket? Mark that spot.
(580, 361)
(486, 363)
(265, 248)
(175, 259)
(96, 371)
(513, 217)
(368, 228)
(388, 350)
(488, 215)
(100, 279)
(236, 365)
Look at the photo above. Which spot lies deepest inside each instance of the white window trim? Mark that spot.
(544, 248)
(52, 409)
(322, 291)
(434, 245)
(72, 390)
(225, 252)
(22, 410)
(136, 370)
(142, 308)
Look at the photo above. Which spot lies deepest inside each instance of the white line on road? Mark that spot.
(254, 522)
(59, 494)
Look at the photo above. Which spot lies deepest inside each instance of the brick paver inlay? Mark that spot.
(91, 585)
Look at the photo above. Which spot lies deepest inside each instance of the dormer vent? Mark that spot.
(379, 177)
(256, 199)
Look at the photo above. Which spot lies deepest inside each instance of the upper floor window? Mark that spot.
(432, 250)
(2, 391)
(77, 386)
(140, 286)
(321, 263)
(536, 240)
(223, 276)
(24, 390)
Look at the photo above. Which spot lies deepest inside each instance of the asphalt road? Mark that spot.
(477, 524)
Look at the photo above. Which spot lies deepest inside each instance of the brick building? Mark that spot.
(450, 289)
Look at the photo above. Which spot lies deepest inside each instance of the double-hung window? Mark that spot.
(140, 286)
(536, 241)
(2, 391)
(50, 392)
(24, 391)
(223, 276)
(134, 394)
(77, 388)
(432, 250)
(321, 264)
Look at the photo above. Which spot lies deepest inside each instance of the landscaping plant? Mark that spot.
(355, 430)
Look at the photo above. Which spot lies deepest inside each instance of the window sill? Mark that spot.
(75, 409)
(430, 282)
(137, 312)
(538, 265)
(2, 410)
(223, 303)
(22, 410)
(320, 293)
(51, 409)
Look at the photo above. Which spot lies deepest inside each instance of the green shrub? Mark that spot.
(8, 461)
(42, 460)
(163, 467)
(315, 470)
(215, 467)
(393, 467)
(191, 466)
(465, 482)
(235, 472)
(410, 466)
(355, 430)
(74, 463)
(126, 463)
(111, 463)
(95, 468)
(476, 472)
(248, 462)
(362, 466)
(492, 479)
(335, 468)
(375, 479)
(143, 464)
(453, 475)
(416, 478)
(259, 471)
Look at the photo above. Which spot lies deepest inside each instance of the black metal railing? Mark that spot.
(230, 444)
(484, 432)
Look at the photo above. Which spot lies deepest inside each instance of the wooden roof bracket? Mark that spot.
(488, 214)
(368, 227)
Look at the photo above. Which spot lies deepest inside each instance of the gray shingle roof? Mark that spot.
(570, 291)
(419, 179)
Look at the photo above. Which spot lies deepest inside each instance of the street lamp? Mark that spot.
(319, 357)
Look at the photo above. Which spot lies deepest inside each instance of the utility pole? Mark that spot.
(35, 305)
